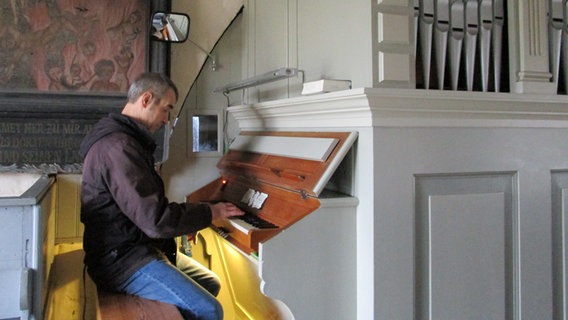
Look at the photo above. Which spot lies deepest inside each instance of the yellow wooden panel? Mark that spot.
(240, 292)
(67, 221)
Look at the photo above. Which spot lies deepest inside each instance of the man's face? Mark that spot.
(157, 113)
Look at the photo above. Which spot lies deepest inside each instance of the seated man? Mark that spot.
(129, 222)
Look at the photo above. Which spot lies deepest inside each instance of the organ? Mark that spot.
(276, 261)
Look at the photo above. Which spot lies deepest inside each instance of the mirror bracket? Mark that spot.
(211, 56)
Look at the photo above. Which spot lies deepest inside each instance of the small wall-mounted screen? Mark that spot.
(205, 133)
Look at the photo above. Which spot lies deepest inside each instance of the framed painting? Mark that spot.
(64, 64)
(73, 46)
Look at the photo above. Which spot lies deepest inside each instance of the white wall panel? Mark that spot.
(464, 246)
(467, 257)
(560, 243)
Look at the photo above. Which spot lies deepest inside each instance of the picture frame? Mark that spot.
(41, 129)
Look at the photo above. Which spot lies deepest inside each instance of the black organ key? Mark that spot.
(256, 221)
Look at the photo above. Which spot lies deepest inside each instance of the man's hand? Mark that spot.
(223, 210)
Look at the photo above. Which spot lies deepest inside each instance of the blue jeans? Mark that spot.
(191, 287)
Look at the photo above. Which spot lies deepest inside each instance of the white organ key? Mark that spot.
(441, 38)
(486, 24)
(471, 21)
(241, 225)
(456, 39)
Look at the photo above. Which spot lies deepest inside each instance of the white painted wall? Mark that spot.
(184, 173)
(370, 43)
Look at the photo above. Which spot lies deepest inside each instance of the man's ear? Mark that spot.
(146, 98)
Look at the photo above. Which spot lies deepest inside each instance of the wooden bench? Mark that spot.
(114, 306)
(68, 286)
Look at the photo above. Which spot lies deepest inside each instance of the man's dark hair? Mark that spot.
(157, 83)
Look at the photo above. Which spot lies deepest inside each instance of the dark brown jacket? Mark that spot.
(128, 219)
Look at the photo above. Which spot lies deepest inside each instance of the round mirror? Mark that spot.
(169, 26)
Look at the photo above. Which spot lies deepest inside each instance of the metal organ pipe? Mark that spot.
(564, 44)
(555, 26)
(558, 41)
(497, 35)
(471, 27)
(426, 24)
(416, 18)
(485, 24)
(456, 39)
(441, 38)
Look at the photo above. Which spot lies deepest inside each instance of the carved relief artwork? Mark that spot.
(72, 45)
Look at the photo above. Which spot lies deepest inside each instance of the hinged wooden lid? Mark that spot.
(298, 161)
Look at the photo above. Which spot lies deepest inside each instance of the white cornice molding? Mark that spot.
(365, 107)
(350, 108)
